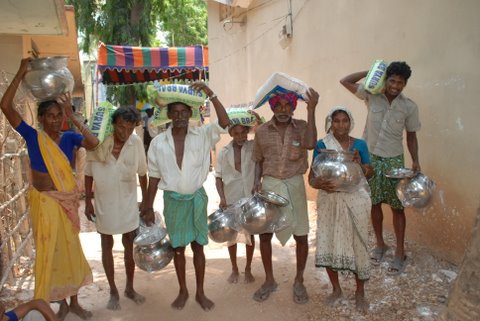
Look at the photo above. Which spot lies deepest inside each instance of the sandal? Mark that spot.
(378, 254)
(264, 292)
(397, 266)
(300, 295)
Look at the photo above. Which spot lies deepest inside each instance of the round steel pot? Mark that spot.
(152, 256)
(416, 191)
(220, 226)
(339, 167)
(49, 77)
(261, 211)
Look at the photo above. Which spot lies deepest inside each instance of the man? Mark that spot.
(280, 152)
(178, 163)
(114, 166)
(60, 265)
(389, 114)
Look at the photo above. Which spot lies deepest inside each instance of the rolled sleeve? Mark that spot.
(361, 92)
(214, 130)
(219, 166)
(412, 123)
(153, 165)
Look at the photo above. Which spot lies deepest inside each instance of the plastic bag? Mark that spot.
(151, 234)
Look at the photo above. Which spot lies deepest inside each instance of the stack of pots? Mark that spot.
(261, 213)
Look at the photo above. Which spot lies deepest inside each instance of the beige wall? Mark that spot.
(438, 38)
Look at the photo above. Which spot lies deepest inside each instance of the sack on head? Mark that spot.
(279, 83)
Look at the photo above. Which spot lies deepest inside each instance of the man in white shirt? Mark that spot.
(114, 166)
(178, 163)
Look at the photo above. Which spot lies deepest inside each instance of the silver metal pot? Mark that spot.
(261, 211)
(152, 256)
(221, 226)
(339, 167)
(416, 191)
(49, 77)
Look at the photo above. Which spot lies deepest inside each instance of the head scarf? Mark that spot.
(291, 97)
(328, 119)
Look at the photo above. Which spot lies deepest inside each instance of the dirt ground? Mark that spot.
(418, 294)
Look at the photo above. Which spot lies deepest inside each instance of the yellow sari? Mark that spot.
(60, 265)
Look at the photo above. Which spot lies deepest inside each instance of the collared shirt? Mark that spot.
(116, 205)
(386, 122)
(281, 159)
(162, 161)
(236, 185)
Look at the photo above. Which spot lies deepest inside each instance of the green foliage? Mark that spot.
(185, 21)
(134, 23)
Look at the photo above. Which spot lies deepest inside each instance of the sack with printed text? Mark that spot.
(162, 95)
(279, 83)
(375, 80)
(100, 123)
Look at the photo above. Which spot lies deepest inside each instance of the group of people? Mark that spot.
(178, 162)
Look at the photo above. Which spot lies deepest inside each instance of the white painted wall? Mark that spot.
(439, 39)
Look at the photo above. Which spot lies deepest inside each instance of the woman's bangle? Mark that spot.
(212, 96)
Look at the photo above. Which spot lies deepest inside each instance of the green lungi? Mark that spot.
(382, 187)
(186, 217)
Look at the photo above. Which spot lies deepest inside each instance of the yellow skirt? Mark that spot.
(60, 265)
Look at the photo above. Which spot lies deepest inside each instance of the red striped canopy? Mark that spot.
(127, 64)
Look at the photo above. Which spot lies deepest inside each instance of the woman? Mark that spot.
(60, 265)
(343, 218)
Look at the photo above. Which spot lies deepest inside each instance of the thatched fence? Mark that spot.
(16, 240)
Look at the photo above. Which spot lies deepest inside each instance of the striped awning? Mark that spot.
(127, 64)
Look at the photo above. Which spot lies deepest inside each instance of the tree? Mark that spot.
(134, 23)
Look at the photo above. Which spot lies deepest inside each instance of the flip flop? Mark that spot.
(397, 266)
(300, 295)
(264, 292)
(378, 254)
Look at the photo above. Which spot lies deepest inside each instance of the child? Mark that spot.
(234, 174)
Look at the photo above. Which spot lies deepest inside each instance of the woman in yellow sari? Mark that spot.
(60, 265)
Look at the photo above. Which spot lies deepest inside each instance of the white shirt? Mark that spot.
(116, 205)
(236, 185)
(162, 161)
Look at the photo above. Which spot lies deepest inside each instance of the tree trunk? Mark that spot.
(464, 299)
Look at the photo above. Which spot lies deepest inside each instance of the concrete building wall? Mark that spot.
(439, 39)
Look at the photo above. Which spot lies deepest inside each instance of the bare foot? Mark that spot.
(180, 301)
(63, 311)
(81, 312)
(204, 302)
(334, 297)
(134, 296)
(249, 278)
(233, 278)
(114, 302)
(361, 303)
